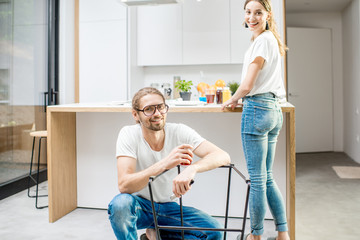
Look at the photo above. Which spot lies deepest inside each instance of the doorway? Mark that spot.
(310, 87)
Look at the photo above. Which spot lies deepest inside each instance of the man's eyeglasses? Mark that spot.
(151, 109)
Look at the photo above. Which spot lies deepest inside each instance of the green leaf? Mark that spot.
(183, 85)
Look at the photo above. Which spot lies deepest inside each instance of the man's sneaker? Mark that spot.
(143, 237)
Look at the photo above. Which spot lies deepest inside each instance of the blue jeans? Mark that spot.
(261, 122)
(128, 213)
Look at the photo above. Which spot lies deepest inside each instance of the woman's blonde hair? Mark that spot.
(272, 24)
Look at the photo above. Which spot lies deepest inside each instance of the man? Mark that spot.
(148, 149)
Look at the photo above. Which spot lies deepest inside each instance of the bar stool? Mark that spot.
(36, 135)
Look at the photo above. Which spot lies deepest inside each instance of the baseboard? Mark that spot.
(19, 184)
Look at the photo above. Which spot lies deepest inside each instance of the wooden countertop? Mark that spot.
(113, 107)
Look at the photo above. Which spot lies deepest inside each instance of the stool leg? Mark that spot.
(181, 211)
(227, 202)
(31, 163)
(37, 178)
(245, 209)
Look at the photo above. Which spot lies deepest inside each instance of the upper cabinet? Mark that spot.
(206, 32)
(239, 35)
(103, 68)
(159, 35)
(195, 32)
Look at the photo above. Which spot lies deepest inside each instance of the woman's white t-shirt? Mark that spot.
(270, 76)
(131, 143)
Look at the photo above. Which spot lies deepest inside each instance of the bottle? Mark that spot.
(226, 94)
(166, 90)
(176, 91)
(219, 95)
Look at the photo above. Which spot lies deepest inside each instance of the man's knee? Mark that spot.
(216, 235)
(122, 205)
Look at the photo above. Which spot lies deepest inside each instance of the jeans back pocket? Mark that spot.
(265, 119)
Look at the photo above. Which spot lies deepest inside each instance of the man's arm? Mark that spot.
(130, 181)
(211, 157)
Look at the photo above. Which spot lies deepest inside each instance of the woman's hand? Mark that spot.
(233, 102)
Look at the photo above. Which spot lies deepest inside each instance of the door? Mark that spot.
(28, 72)
(310, 87)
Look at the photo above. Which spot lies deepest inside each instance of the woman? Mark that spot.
(261, 88)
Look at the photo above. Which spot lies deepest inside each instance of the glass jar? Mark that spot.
(167, 90)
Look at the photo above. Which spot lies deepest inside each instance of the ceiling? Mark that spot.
(294, 6)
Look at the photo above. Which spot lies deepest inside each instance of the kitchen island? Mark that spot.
(82, 162)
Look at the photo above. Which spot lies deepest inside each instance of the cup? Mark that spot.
(210, 95)
(190, 156)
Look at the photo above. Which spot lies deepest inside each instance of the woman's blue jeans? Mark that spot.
(128, 213)
(261, 122)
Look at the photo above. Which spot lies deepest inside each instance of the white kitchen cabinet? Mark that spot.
(195, 32)
(240, 36)
(103, 51)
(159, 34)
(206, 32)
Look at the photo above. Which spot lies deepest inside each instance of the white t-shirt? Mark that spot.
(131, 143)
(270, 76)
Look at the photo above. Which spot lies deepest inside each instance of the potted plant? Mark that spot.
(184, 88)
(233, 86)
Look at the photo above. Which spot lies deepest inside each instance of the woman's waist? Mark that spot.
(263, 95)
(269, 100)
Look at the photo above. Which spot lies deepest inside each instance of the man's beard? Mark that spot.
(154, 127)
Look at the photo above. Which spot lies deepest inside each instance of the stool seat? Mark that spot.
(38, 133)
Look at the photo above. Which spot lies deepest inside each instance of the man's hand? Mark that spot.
(181, 155)
(182, 182)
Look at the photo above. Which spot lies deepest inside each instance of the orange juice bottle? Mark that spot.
(226, 94)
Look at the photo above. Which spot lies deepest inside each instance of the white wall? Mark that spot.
(333, 22)
(66, 51)
(351, 56)
(196, 73)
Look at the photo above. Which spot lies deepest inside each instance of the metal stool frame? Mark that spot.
(36, 181)
(182, 228)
